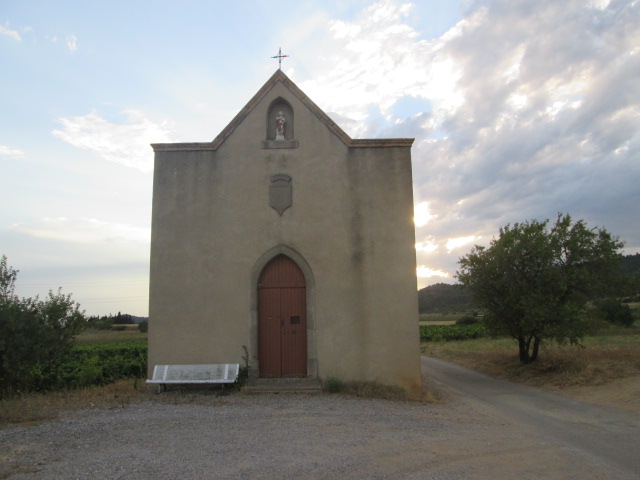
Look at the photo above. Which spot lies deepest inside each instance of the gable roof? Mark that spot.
(279, 76)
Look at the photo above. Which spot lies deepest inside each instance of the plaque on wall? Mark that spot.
(280, 194)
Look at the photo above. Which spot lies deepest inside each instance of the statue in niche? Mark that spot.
(280, 121)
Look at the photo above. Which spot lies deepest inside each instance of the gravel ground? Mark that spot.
(233, 437)
(199, 436)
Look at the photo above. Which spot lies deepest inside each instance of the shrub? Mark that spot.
(437, 333)
(143, 326)
(36, 335)
(616, 312)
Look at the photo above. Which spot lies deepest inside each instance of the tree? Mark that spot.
(7, 280)
(35, 335)
(534, 282)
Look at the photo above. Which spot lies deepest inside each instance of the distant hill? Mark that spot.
(446, 298)
(443, 298)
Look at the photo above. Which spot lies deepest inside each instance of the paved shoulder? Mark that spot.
(605, 434)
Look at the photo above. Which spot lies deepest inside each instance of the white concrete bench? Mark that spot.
(221, 373)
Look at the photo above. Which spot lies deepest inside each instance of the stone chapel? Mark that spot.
(288, 237)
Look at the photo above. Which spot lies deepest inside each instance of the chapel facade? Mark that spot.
(288, 237)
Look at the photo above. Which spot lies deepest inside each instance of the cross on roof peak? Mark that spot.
(280, 57)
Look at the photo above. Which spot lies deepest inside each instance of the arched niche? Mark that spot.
(280, 111)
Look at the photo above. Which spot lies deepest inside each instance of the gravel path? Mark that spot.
(291, 436)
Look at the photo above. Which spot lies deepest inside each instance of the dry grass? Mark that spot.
(381, 391)
(600, 360)
(439, 318)
(37, 407)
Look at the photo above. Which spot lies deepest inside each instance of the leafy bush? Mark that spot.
(143, 326)
(36, 335)
(616, 312)
(439, 333)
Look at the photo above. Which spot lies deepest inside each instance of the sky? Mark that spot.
(520, 110)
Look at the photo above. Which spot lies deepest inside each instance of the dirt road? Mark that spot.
(607, 440)
(484, 429)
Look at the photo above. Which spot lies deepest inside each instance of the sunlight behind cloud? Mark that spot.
(425, 272)
(427, 246)
(422, 215)
(458, 242)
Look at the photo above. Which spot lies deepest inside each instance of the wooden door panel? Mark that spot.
(282, 319)
(269, 337)
(294, 332)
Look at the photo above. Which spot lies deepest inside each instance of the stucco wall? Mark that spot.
(350, 224)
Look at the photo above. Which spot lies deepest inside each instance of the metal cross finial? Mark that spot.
(280, 57)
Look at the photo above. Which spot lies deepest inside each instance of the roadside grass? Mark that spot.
(33, 408)
(613, 354)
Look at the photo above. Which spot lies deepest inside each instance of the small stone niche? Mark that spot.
(280, 125)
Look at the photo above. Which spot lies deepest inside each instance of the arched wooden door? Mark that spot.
(282, 320)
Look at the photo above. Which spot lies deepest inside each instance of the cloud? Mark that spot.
(11, 152)
(85, 230)
(379, 60)
(525, 110)
(125, 143)
(5, 30)
(72, 42)
(427, 246)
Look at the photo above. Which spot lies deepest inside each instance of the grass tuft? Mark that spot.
(333, 385)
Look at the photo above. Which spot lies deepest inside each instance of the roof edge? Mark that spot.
(182, 147)
(381, 142)
(279, 76)
(242, 114)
